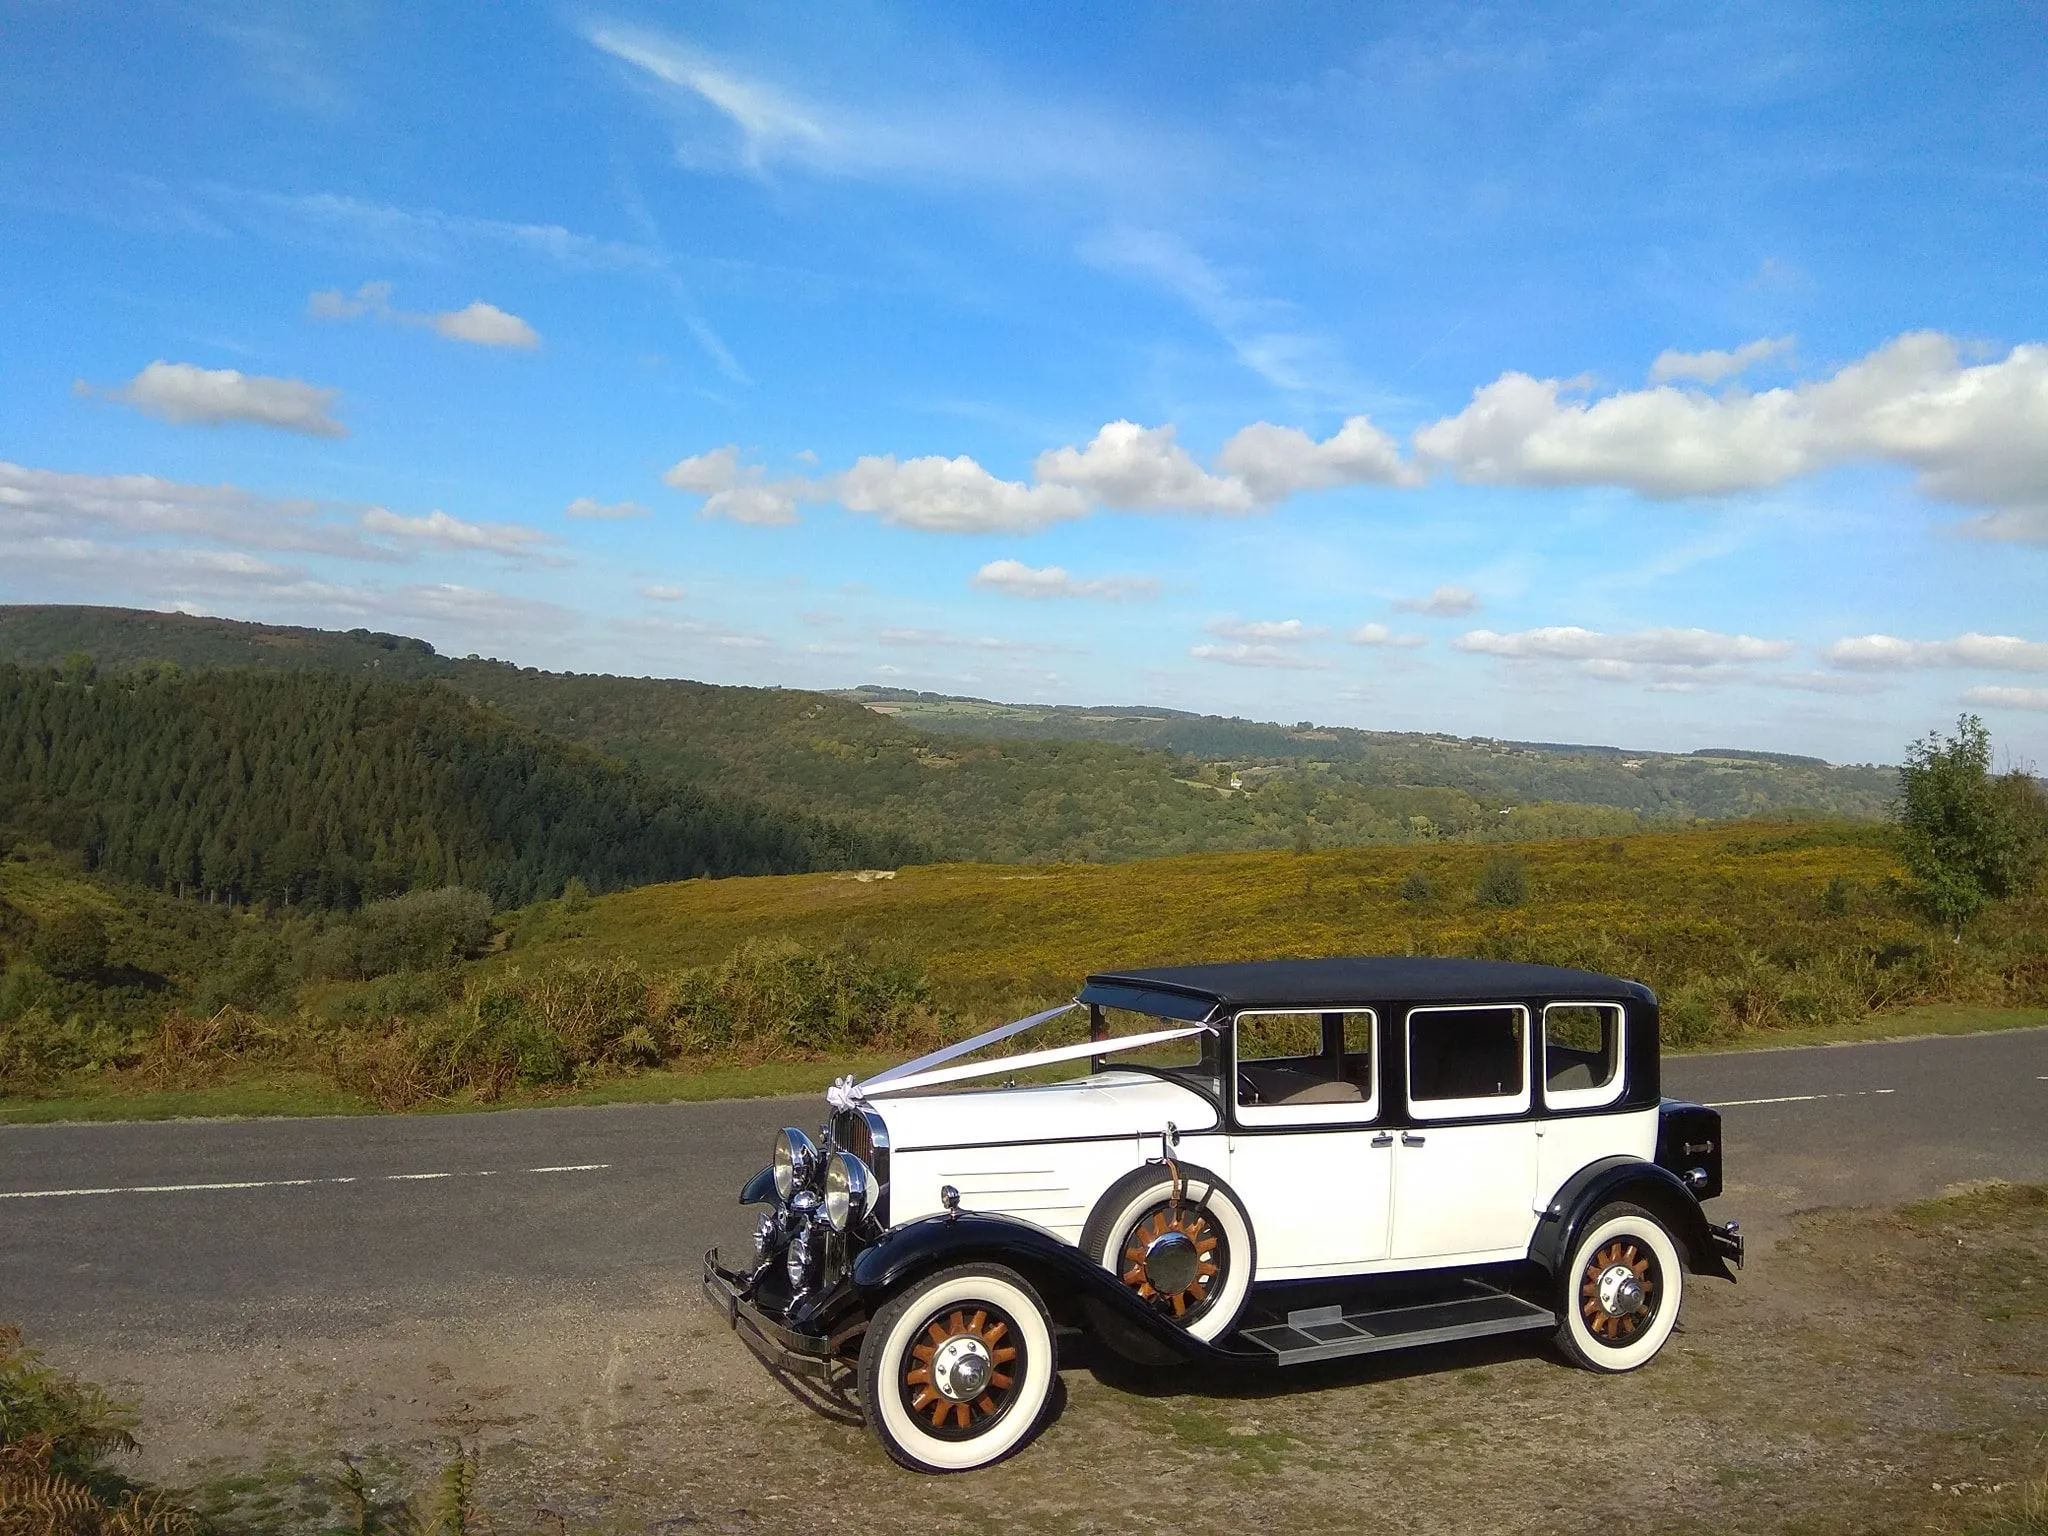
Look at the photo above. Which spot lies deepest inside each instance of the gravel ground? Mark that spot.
(1872, 1371)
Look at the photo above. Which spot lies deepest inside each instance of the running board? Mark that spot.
(1332, 1333)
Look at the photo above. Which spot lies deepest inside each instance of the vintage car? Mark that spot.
(1264, 1164)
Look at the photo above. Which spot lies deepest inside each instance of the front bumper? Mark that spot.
(1727, 1242)
(781, 1348)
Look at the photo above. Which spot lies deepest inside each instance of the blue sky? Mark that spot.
(1571, 373)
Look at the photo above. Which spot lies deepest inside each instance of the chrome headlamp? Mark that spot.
(795, 1158)
(846, 1190)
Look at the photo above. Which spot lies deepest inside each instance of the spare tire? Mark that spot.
(1184, 1247)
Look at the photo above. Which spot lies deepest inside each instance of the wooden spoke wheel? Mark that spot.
(1619, 1300)
(962, 1373)
(1175, 1257)
(1618, 1290)
(957, 1370)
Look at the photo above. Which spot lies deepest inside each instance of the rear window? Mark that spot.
(1582, 1046)
(1468, 1061)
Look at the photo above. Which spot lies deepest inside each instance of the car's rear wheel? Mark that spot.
(1180, 1240)
(1622, 1293)
(956, 1372)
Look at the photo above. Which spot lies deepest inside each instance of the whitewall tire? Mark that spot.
(957, 1371)
(1191, 1259)
(1622, 1292)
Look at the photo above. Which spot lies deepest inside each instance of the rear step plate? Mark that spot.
(1331, 1333)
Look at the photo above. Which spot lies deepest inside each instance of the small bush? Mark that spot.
(1504, 882)
(72, 945)
(414, 932)
(1416, 887)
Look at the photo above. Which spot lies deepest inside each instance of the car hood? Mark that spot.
(1105, 1104)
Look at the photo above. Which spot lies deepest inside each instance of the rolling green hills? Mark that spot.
(965, 779)
(295, 789)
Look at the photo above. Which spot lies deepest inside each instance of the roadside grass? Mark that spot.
(1906, 1024)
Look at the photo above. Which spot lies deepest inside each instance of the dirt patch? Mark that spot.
(1872, 1372)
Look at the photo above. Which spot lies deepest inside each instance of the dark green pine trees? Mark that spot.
(297, 789)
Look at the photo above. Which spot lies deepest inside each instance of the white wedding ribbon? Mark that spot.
(962, 1047)
(903, 1079)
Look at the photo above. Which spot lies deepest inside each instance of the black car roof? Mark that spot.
(1358, 979)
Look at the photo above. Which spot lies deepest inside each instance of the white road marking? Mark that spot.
(184, 1189)
(1803, 1098)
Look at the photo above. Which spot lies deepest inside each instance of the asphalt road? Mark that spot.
(201, 1232)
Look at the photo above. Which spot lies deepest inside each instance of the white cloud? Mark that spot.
(1282, 631)
(1130, 466)
(591, 507)
(210, 397)
(1668, 647)
(1247, 654)
(1020, 580)
(904, 636)
(664, 594)
(36, 503)
(1379, 634)
(481, 324)
(739, 491)
(1275, 462)
(486, 325)
(950, 496)
(1974, 435)
(438, 528)
(1712, 367)
(2003, 653)
(1443, 603)
(2009, 698)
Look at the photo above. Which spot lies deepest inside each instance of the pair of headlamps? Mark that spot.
(848, 1183)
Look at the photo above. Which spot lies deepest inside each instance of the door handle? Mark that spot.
(1411, 1139)
(1384, 1139)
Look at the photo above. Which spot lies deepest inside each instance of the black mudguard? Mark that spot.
(1057, 1269)
(760, 1189)
(1655, 1188)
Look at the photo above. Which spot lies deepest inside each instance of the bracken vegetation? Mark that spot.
(1744, 931)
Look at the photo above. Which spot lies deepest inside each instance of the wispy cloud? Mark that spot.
(590, 508)
(1266, 335)
(1252, 654)
(1442, 603)
(1712, 367)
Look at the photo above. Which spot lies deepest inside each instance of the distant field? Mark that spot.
(1654, 900)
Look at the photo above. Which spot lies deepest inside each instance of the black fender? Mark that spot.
(760, 1189)
(1060, 1272)
(1656, 1189)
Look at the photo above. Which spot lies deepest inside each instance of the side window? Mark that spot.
(1468, 1061)
(1582, 1046)
(1306, 1067)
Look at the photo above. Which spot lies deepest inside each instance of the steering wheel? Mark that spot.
(1247, 1090)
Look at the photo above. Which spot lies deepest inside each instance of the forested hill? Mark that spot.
(305, 789)
(965, 780)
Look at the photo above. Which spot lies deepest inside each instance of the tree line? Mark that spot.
(295, 789)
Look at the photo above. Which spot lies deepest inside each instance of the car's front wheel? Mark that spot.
(1623, 1290)
(956, 1372)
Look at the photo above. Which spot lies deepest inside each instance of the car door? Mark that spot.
(1464, 1175)
(1309, 1158)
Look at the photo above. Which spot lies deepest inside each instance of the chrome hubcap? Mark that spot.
(961, 1367)
(1620, 1292)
